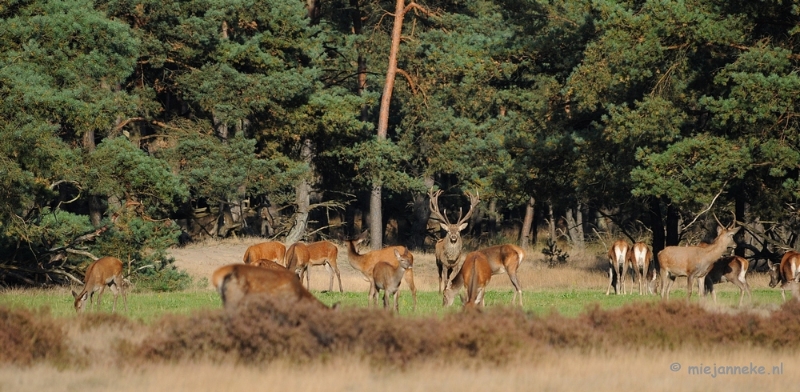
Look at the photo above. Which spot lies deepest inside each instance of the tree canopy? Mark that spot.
(121, 122)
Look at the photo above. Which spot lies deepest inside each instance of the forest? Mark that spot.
(129, 126)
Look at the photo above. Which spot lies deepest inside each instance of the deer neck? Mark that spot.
(714, 251)
(354, 258)
(452, 249)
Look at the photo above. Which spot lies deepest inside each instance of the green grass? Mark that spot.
(148, 307)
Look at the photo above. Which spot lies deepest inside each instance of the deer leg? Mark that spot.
(689, 281)
(409, 278)
(666, 283)
(610, 280)
(440, 267)
(517, 288)
(396, 301)
(373, 294)
(623, 274)
(330, 274)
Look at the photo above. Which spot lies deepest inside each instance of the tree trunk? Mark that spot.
(375, 218)
(375, 213)
(527, 223)
(575, 223)
(673, 237)
(551, 226)
(303, 192)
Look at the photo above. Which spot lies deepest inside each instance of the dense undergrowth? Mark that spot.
(264, 331)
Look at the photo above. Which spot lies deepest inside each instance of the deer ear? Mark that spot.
(463, 226)
(443, 226)
(397, 254)
(74, 294)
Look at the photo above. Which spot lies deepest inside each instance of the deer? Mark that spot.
(694, 262)
(729, 269)
(106, 271)
(448, 249)
(786, 273)
(618, 259)
(236, 282)
(476, 272)
(297, 256)
(387, 278)
(268, 264)
(322, 253)
(641, 258)
(365, 263)
(271, 250)
(502, 258)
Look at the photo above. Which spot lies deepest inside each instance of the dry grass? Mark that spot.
(614, 370)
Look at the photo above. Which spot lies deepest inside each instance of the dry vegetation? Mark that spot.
(266, 343)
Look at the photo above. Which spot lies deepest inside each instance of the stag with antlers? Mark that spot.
(448, 249)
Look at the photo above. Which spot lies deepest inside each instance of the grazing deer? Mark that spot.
(618, 258)
(387, 278)
(268, 264)
(501, 258)
(729, 269)
(297, 256)
(693, 262)
(106, 271)
(640, 259)
(366, 263)
(786, 273)
(323, 253)
(448, 249)
(476, 274)
(272, 250)
(235, 282)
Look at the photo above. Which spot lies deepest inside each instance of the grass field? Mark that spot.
(148, 307)
(569, 291)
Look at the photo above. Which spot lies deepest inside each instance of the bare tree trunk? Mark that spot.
(375, 213)
(303, 192)
(551, 226)
(575, 225)
(527, 223)
(375, 218)
(95, 202)
(673, 237)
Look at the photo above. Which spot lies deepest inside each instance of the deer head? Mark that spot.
(453, 229)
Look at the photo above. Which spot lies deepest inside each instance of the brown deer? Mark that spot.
(618, 259)
(272, 250)
(501, 258)
(106, 271)
(297, 259)
(387, 278)
(268, 264)
(448, 249)
(475, 274)
(366, 263)
(786, 273)
(729, 269)
(641, 258)
(323, 253)
(693, 262)
(236, 282)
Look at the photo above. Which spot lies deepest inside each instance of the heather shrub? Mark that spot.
(27, 337)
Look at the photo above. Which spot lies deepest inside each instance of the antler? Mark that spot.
(434, 205)
(442, 217)
(473, 201)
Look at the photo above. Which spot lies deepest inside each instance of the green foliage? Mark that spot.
(164, 279)
(118, 169)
